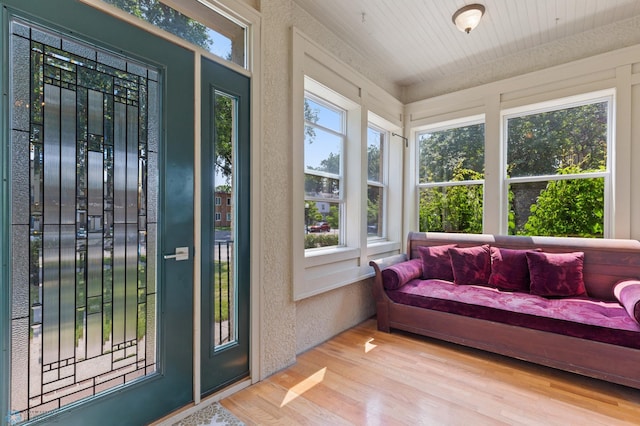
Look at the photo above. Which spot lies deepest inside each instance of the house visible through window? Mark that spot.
(376, 187)
(451, 178)
(324, 140)
(557, 170)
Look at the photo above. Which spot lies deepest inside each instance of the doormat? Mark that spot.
(212, 414)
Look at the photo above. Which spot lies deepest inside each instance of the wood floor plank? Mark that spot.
(367, 377)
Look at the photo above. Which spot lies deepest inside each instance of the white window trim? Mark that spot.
(554, 105)
(415, 176)
(333, 102)
(382, 183)
(320, 270)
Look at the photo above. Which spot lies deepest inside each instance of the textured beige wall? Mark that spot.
(286, 327)
(321, 317)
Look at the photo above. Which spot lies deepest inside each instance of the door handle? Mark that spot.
(182, 253)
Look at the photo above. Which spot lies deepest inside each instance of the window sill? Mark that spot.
(325, 256)
(377, 247)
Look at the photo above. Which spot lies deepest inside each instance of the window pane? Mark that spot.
(375, 146)
(84, 183)
(321, 187)
(374, 211)
(227, 42)
(322, 220)
(546, 143)
(563, 208)
(322, 151)
(445, 154)
(323, 116)
(451, 209)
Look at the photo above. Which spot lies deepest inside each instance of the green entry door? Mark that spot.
(225, 227)
(97, 312)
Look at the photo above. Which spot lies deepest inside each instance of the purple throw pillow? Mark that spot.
(395, 276)
(628, 294)
(556, 274)
(471, 265)
(509, 269)
(436, 263)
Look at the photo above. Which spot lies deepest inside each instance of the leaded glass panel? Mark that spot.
(84, 177)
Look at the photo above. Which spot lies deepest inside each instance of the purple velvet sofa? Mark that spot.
(567, 303)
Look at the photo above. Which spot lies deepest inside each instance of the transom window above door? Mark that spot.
(213, 30)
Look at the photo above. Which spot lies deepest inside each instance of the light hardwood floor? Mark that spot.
(367, 377)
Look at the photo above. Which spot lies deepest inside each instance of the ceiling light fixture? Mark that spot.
(468, 17)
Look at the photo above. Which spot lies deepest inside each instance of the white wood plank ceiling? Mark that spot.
(415, 41)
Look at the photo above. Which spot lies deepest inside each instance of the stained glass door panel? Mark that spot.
(86, 151)
(85, 160)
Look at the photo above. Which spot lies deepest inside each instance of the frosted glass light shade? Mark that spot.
(468, 17)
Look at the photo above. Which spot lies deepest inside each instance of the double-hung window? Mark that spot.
(558, 168)
(377, 140)
(324, 144)
(451, 177)
(347, 205)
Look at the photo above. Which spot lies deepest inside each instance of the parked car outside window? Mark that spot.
(320, 227)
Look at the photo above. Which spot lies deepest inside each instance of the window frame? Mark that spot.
(558, 104)
(383, 183)
(320, 270)
(340, 177)
(470, 120)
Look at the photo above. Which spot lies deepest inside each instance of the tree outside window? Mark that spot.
(450, 175)
(376, 187)
(557, 171)
(323, 148)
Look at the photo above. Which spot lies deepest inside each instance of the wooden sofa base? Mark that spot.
(612, 363)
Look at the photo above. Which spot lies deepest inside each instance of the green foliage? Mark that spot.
(333, 218)
(543, 143)
(167, 18)
(221, 292)
(442, 152)
(331, 164)
(564, 141)
(320, 240)
(373, 205)
(312, 214)
(511, 215)
(374, 167)
(310, 115)
(223, 147)
(572, 207)
(454, 208)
